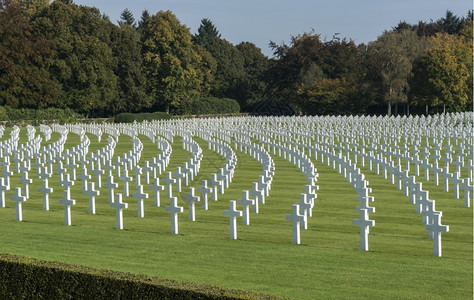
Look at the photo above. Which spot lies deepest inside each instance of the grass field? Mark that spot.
(328, 263)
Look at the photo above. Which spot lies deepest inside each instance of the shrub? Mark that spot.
(28, 114)
(24, 278)
(212, 106)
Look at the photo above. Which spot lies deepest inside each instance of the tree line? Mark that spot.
(59, 54)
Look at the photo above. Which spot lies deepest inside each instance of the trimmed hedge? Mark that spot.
(139, 117)
(22, 277)
(212, 106)
(48, 114)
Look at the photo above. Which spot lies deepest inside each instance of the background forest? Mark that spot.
(62, 55)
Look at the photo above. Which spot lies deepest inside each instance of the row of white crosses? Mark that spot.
(302, 210)
(330, 155)
(319, 135)
(432, 219)
(260, 189)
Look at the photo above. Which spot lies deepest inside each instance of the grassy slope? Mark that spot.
(327, 264)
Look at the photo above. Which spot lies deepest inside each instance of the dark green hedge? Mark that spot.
(139, 117)
(212, 106)
(22, 277)
(48, 114)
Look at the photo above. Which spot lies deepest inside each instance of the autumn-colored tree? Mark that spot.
(441, 75)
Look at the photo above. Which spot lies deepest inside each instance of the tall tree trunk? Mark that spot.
(408, 109)
(389, 109)
(426, 110)
(396, 109)
(444, 109)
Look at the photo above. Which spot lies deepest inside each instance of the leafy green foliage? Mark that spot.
(131, 83)
(83, 65)
(21, 277)
(24, 61)
(442, 74)
(170, 61)
(230, 70)
(59, 54)
(50, 114)
(212, 105)
(391, 58)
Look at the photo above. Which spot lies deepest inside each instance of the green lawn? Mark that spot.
(328, 263)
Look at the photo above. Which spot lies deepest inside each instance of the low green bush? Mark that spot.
(140, 117)
(22, 277)
(212, 106)
(39, 115)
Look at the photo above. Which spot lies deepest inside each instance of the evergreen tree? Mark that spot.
(127, 18)
(144, 18)
(451, 23)
(207, 33)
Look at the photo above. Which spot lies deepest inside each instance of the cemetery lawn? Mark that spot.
(327, 264)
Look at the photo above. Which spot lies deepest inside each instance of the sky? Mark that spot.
(262, 21)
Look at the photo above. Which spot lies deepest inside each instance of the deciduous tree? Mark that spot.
(170, 61)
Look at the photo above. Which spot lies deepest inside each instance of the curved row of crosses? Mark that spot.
(389, 146)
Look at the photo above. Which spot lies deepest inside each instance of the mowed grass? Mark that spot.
(328, 263)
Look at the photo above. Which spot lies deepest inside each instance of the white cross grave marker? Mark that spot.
(246, 202)
(169, 180)
(296, 218)
(204, 191)
(67, 201)
(18, 198)
(119, 206)
(435, 229)
(364, 224)
(46, 190)
(233, 213)
(92, 193)
(191, 199)
(174, 209)
(140, 195)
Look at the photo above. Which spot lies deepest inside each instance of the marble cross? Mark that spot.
(92, 193)
(191, 199)
(204, 191)
(46, 190)
(119, 206)
(233, 213)
(18, 198)
(140, 196)
(174, 209)
(296, 218)
(156, 187)
(246, 202)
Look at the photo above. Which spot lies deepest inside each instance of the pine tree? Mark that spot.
(127, 18)
(207, 33)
